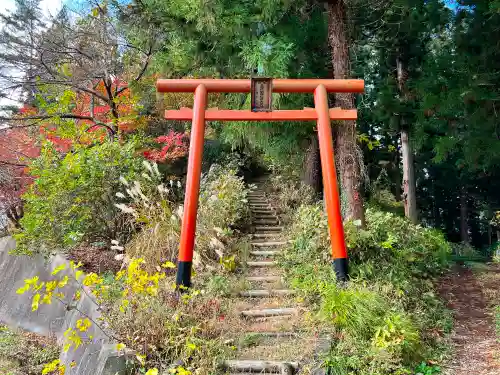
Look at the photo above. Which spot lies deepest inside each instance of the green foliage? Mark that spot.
(388, 314)
(24, 354)
(73, 196)
(222, 209)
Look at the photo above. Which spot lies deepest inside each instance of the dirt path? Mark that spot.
(471, 295)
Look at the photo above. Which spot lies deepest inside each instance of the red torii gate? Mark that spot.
(321, 113)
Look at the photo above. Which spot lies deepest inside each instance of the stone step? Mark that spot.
(278, 324)
(263, 212)
(262, 263)
(265, 221)
(267, 215)
(274, 334)
(270, 312)
(258, 366)
(264, 235)
(268, 243)
(265, 252)
(264, 278)
(267, 228)
(267, 293)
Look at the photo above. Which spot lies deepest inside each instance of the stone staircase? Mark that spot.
(272, 341)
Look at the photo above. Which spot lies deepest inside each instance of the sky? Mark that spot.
(49, 7)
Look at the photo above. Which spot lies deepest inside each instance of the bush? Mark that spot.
(288, 194)
(141, 311)
(73, 196)
(148, 205)
(387, 316)
(222, 209)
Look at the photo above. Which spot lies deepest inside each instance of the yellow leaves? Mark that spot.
(51, 367)
(139, 281)
(229, 263)
(74, 266)
(78, 295)
(50, 286)
(62, 283)
(47, 298)
(36, 288)
(78, 274)
(179, 371)
(141, 359)
(83, 324)
(92, 279)
(23, 289)
(124, 305)
(191, 346)
(54, 366)
(58, 269)
(152, 371)
(72, 339)
(28, 284)
(168, 264)
(35, 302)
(120, 346)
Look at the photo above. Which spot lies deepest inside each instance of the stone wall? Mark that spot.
(96, 358)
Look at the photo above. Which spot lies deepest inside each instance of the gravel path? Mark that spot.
(471, 296)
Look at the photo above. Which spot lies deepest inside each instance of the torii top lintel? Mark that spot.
(244, 85)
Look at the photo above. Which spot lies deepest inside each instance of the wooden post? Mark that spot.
(188, 230)
(332, 198)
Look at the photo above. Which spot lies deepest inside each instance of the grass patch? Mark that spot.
(24, 353)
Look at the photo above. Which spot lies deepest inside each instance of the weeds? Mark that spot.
(388, 318)
(23, 353)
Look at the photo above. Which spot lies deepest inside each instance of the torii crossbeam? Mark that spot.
(200, 114)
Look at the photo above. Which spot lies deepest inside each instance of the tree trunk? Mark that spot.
(312, 165)
(396, 175)
(409, 185)
(348, 155)
(464, 228)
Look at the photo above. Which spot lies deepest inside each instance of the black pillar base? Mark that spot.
(184, 274)
(341, 269)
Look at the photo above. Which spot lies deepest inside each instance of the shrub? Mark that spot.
(141, 311)
(147, 203)
(222, 209)
(288, 194)
(387, 316)
(72, 198)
